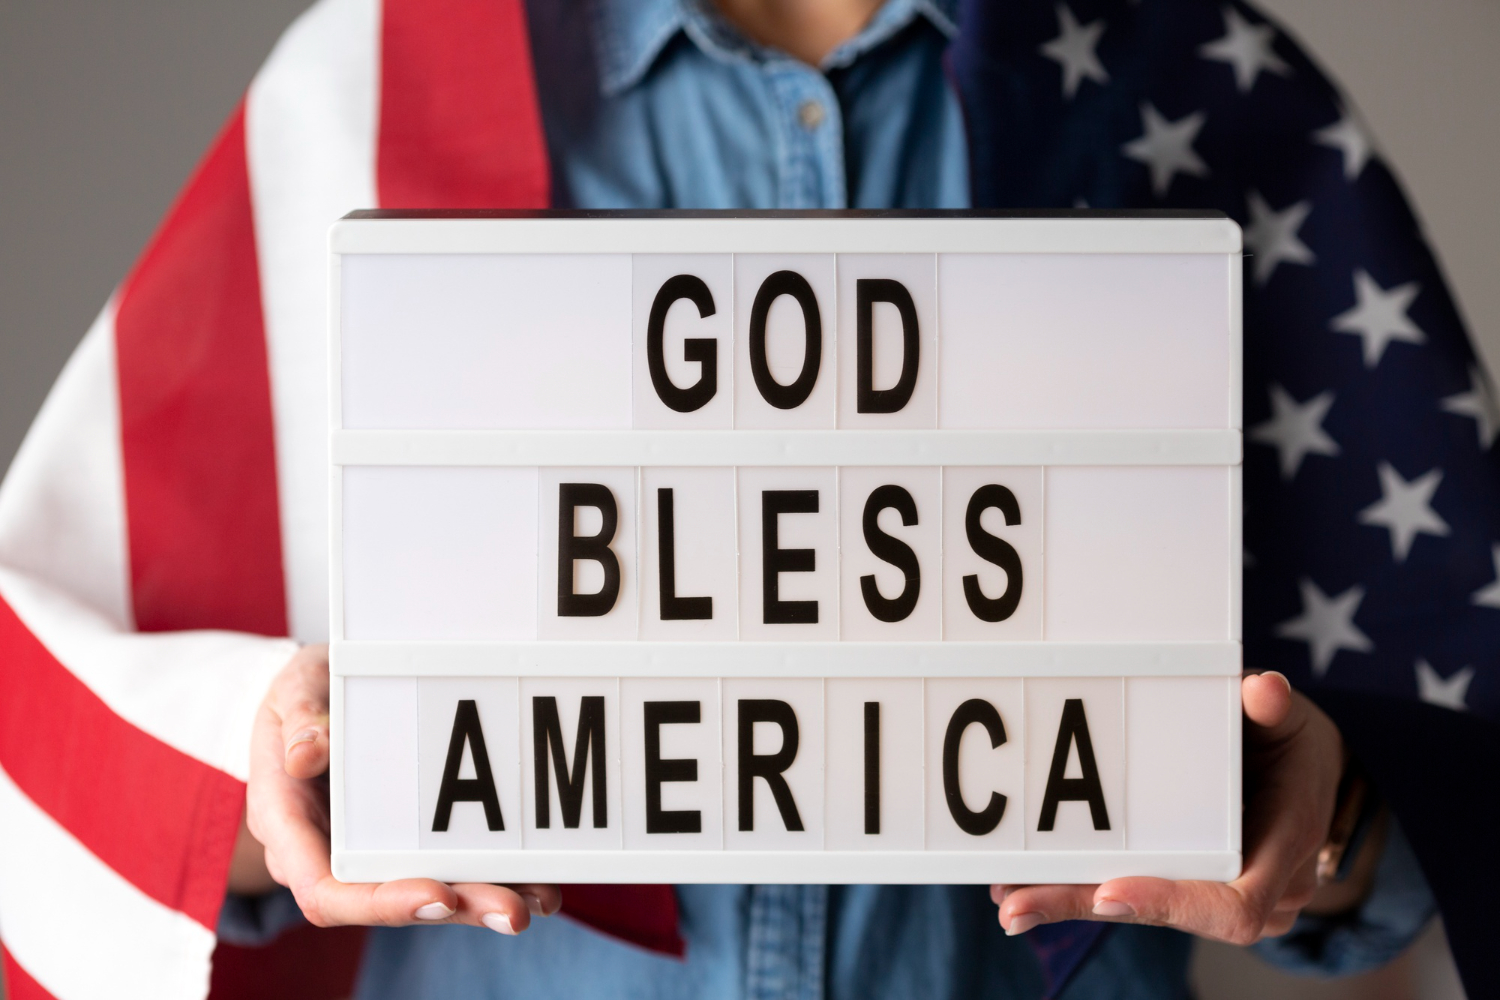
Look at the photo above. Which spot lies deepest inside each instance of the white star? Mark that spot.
(1296, 429)
(1404, 508)
(1327, 625)
(1167, 147)
(1272, 236)
(1488, 596)
(1450, 693)
(1379, 316)
(1347, 136)
(1479, 404)
(1073, 49)
(1246, 47)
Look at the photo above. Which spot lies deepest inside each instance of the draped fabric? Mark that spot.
(163, 545)
(161, 529)
(1372, 493)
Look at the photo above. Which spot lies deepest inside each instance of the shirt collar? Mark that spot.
(630, 34)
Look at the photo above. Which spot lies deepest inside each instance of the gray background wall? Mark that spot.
(105, 107)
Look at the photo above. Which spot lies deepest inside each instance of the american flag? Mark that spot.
(1372, 494)
(162, 534)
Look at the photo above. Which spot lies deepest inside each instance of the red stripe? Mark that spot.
(195, 414)
(16, 984)
(307, 963)
(644, 915)
(459, 125)
(161, 819)
(460, 128)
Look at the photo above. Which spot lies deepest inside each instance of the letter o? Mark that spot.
(786, 397)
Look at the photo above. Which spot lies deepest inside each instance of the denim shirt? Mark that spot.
(662, 104)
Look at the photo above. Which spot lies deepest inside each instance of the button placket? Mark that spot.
(811, 173)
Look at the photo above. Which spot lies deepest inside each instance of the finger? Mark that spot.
(541, 899)
(999, 892)
(1279, 923)
(1025, 907)
(271, 795)
(1267, 698)
(1300, 889)
(502, 908)
(300, 700)
(1225, 912)
(328, 902)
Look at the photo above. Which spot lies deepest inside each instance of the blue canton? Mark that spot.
(1372, 500)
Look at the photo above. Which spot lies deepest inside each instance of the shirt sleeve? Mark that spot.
(253, 921)
(1398, 909)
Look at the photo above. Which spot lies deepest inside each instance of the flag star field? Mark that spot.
(1372, 505)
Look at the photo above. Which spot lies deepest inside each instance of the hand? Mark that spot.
(286, 809)
(1294, 757)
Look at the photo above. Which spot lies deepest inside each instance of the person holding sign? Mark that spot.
(156, 542)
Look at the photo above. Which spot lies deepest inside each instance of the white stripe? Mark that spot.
(78, 928)
(62, 506)
(310, 135)
(63, 559)
(195, 691)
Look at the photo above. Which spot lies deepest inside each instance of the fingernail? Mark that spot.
(434, 911)
(306, 736)
(1020, 923)
(497, 922)
(533, 904)
(1113, 908)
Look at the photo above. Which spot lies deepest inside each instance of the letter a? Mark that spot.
(1074, 728)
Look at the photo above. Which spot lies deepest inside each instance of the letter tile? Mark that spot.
(976, 748)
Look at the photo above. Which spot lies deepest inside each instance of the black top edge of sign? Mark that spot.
(551, 213)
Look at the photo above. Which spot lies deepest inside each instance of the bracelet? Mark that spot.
(1353, 814)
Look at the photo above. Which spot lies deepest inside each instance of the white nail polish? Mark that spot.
(497, 922)
(1023, 922)
(434, 911)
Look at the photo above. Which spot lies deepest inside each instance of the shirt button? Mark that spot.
(810, 113)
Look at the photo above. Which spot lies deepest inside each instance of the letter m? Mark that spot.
(547, 741)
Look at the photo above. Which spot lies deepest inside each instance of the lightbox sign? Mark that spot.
(780, 548)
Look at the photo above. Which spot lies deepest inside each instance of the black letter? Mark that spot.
(786, 397)
(994, 550)
(868, 399)
(1074, 727)
(975, 710)
(571, 496)
(775, 561)
(546, 729)
(893, 551)
(481, 787)
(658, 714)
(703, 350)
(872, 767)
(674, 608)
(767, 766)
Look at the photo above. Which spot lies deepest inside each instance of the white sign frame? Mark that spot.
(785, 233)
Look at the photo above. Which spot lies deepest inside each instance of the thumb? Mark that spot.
(1267, 699)
(299, 697)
